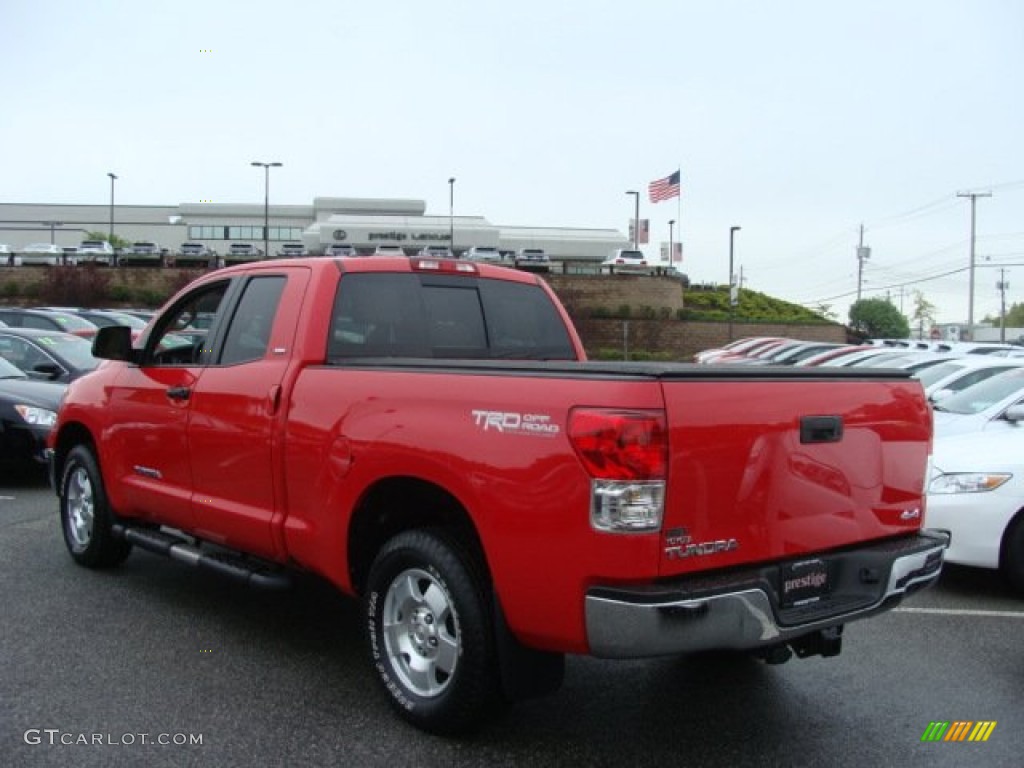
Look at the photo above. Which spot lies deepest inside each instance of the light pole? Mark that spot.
(110, 238)
(732, 301)
(451, 215)
(970, 291)
(52, 225)
(266, 203)
(671, 242)
(636, 220)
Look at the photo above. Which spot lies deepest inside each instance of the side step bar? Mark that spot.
(247, 570)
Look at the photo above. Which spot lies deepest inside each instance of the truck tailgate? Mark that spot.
(764, 469)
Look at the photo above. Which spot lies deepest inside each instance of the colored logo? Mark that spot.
(958, 730)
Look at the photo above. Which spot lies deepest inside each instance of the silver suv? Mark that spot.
(96, 252)
(533, 260)
(340, 249)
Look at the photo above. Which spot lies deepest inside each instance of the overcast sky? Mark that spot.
(797, 121)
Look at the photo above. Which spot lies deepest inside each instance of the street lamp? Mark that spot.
(266, 203)
(111, 236)
(671, 242)
(52, 225)
(732, 300)
(451, 214)
(636, 220)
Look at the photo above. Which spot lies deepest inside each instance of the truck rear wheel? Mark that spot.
(430, 633)
(85, 515)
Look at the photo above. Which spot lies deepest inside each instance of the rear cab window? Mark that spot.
(437, 316)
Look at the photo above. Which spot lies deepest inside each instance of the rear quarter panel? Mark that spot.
(526, 491)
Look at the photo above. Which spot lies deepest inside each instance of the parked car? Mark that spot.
(533, 260)
(239, 252)
(389, 250)
(47, 355)
(437, 252)
(41, 253)
(734, 348)
(957, 374)
(483, 253)
(995, 404)
(292, 251)
(340, 249)
(28, 410)
(976, 493)
(96, 252)
(48, 320)
(194, 254)
(143, 253)
(626, 261)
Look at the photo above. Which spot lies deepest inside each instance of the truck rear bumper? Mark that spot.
(746, 609)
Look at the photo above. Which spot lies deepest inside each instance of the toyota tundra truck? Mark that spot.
(428, 436)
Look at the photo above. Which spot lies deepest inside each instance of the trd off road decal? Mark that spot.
(510, 423)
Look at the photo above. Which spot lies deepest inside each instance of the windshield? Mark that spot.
(985, 394)
(9, 371)
(74, 349)
(72, 323)
(938, 372)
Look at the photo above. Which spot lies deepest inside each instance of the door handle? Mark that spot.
(179, 393)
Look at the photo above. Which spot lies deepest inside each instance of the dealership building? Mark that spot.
(364, 223)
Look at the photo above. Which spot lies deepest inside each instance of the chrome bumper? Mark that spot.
(741, 610)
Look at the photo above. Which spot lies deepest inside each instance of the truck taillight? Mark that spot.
(625, 452)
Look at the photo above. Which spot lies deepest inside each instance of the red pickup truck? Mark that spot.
(427, 435)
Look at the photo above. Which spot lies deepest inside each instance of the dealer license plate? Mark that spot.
(804, 582)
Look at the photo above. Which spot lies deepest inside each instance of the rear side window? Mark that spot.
(249, 332)
(410, 315)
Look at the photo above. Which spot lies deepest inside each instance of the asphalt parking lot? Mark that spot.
(160, 665)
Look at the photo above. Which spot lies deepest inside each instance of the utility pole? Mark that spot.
(970, 291)
(1002, 285)
(863, 254)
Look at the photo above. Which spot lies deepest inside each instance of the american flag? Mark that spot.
(664, 189)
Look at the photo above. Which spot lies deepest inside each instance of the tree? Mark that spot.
(924, 313)
(826, 311)
(116, 241)
(878, 318)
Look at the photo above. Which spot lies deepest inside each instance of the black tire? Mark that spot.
(1011, 556)
(430, 633)
(85, 515)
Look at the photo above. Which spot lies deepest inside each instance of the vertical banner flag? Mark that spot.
(664, 189)
(645, 231)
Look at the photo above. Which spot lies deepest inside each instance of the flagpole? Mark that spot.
(679, 215)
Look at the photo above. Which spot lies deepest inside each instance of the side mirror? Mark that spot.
(47, 371)
(1014, 413)
(941, 395)
(113, 342)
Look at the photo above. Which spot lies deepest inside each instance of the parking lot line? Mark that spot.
(963, 612)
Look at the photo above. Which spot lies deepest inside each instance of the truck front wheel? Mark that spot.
(85, 516)
(430, 633)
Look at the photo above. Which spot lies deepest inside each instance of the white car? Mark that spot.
(389, 250)
(533, 260)
(437, 252)
(96, 252)
(957, 374)
(976, 493)
(340, 249)
(483, 253)
(992, 406)
(42, 253)
(625, 262)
